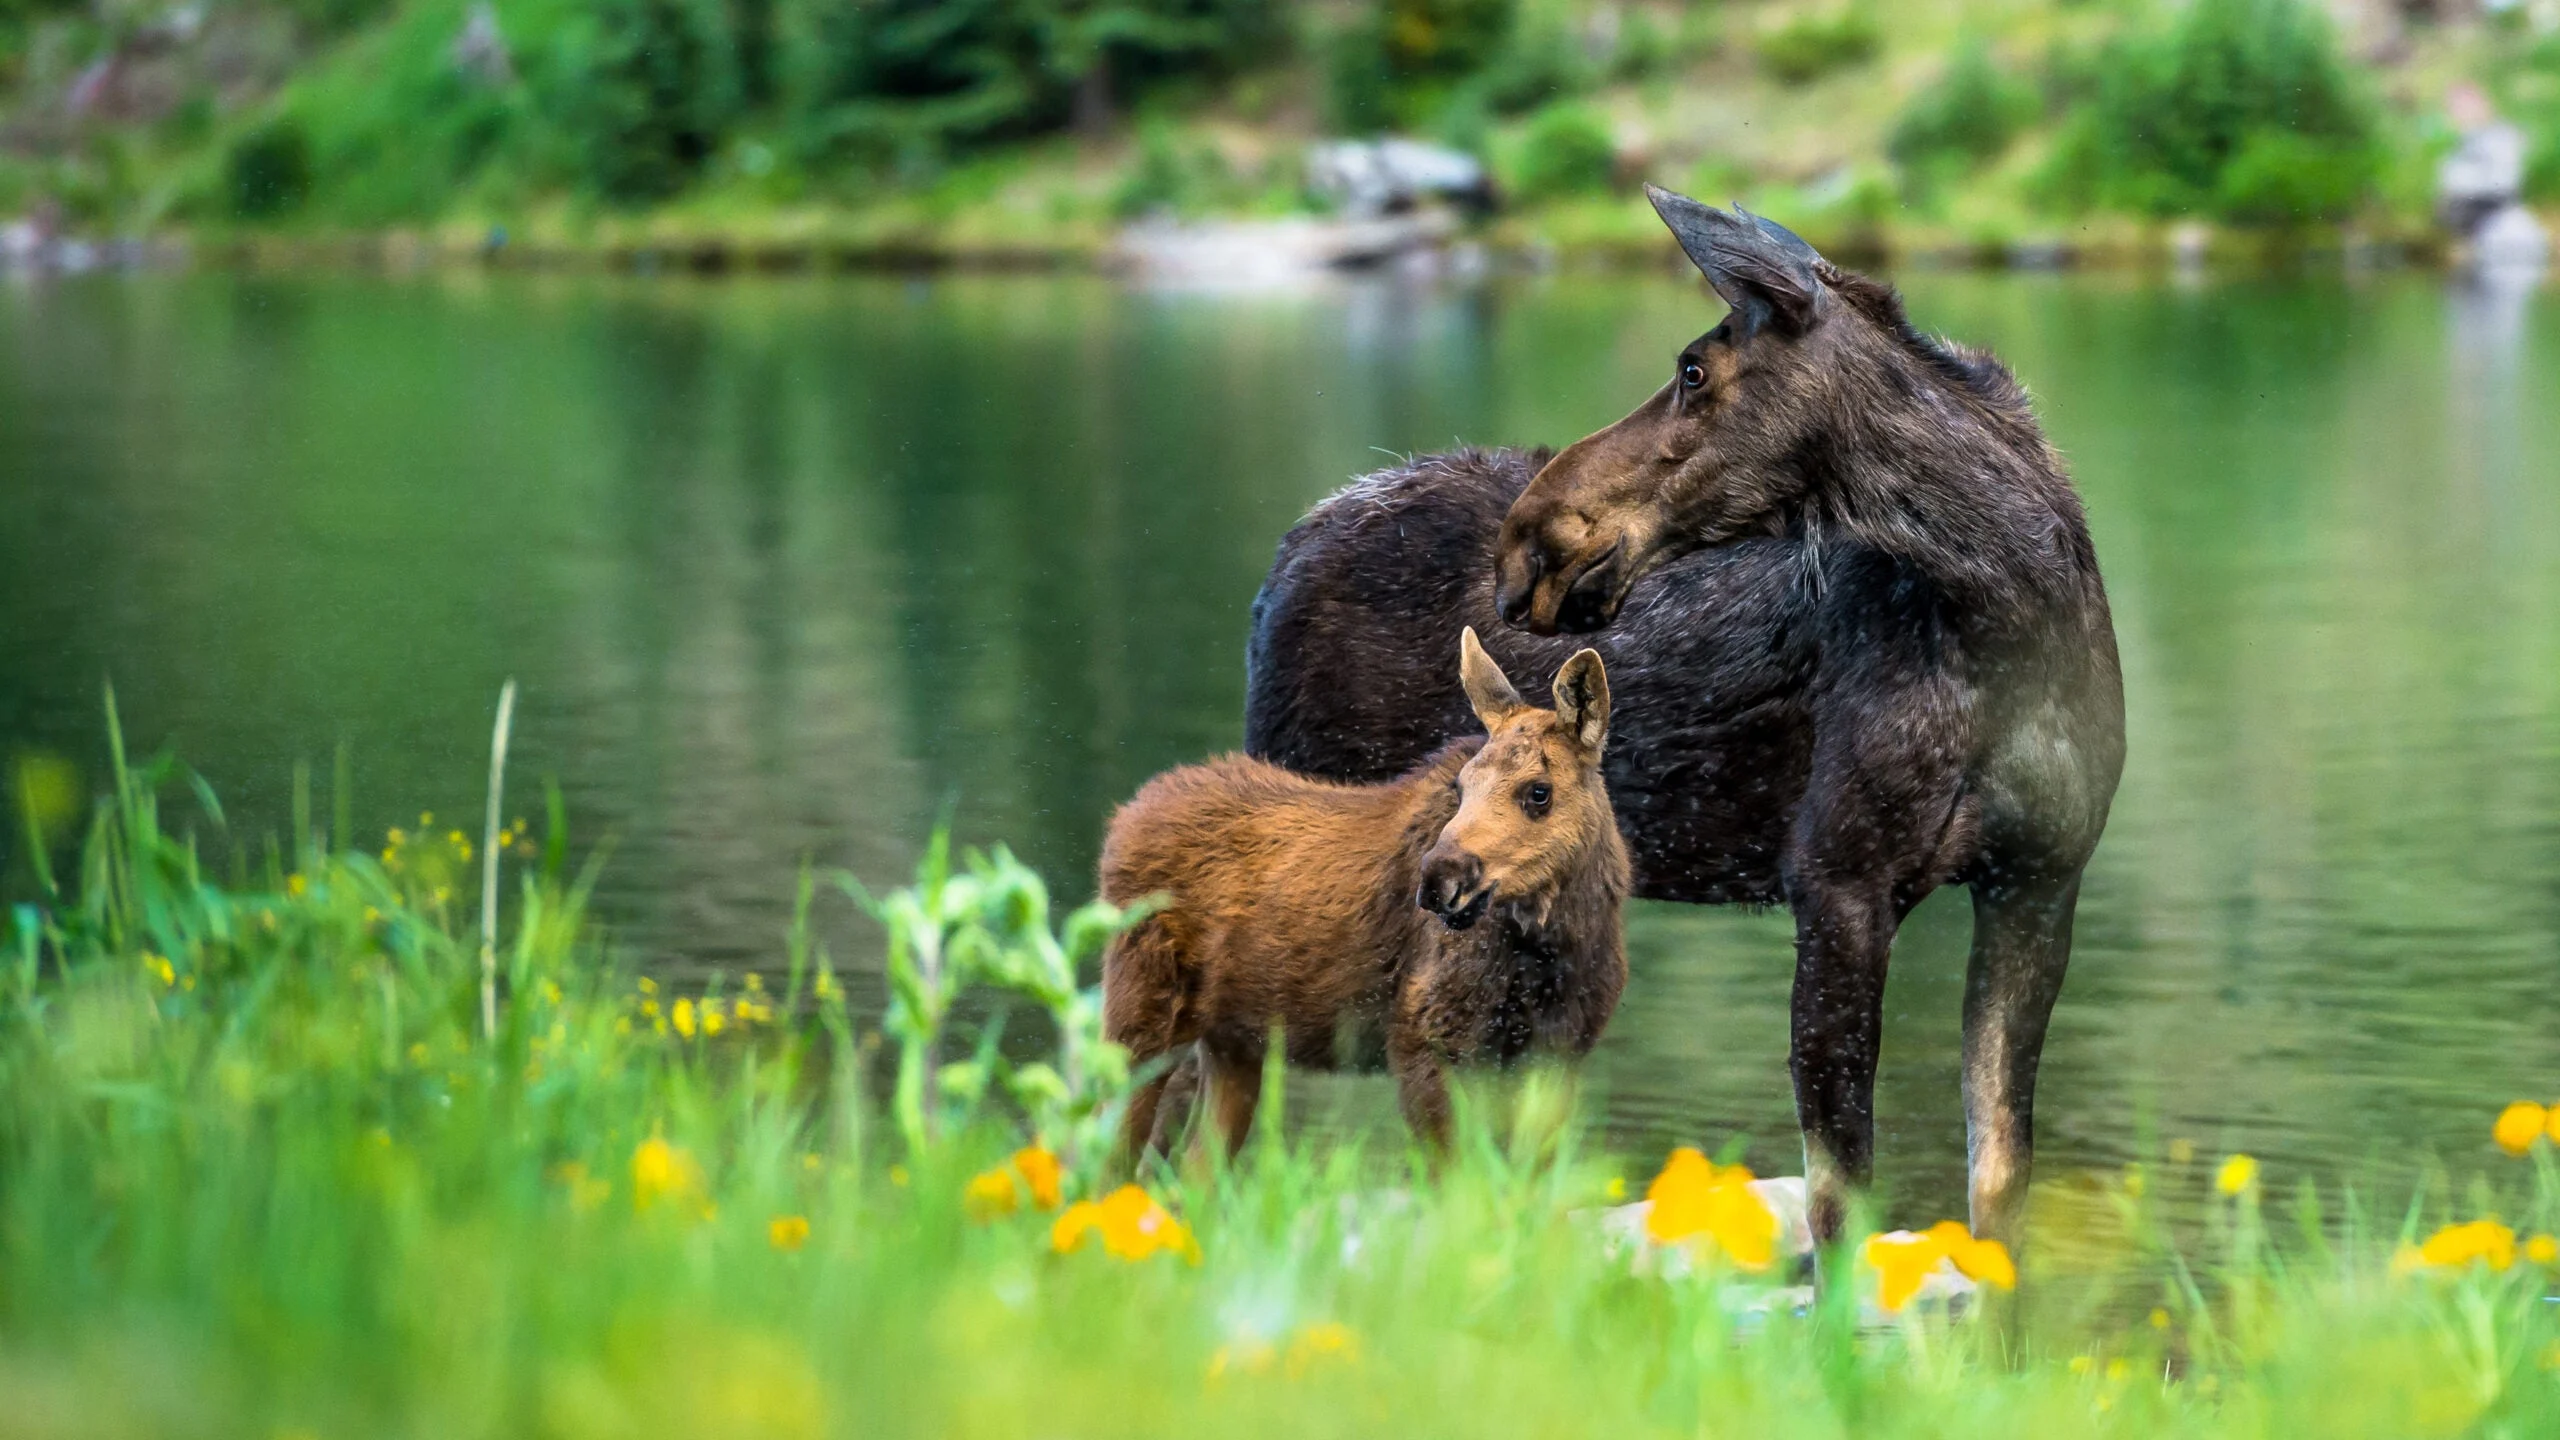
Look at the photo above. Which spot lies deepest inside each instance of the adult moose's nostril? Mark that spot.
(1513, 598)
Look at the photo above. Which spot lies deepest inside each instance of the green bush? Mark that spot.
(2198, 118)
(1808, 47)
(2279, 178)
(1967, 117)
(268, 171)
(1567, 151)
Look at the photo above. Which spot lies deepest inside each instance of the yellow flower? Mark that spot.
(1616, 1189)
(158, 965)
(991, 1195)
(396, 836)
(2455, 1246)
(1322, 1341)
(662, 1171)
(714, 1019)
(1251, 1356)
(1696, 1199)
(2182, 1152)
(2238, 1173)
(648, 986)
(2519, 1125)
(684, 1018)
(811, 1163)
(295, 884)
(2542, 1250)
(898, 1176)
(1901, 1261)
(586, 1191)
(426, 819)
(1132, 1226)
(2159, 1318)
(788, 1232)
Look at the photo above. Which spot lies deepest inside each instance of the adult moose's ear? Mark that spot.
(1488, 689)
(1582, 700)
(1764, 270)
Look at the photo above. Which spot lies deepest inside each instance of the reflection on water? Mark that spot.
(786, 568)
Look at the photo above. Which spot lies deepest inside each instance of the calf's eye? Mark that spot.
(1693, 374)
(1535, 796)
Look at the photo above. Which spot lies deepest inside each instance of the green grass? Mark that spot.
(262, 1174)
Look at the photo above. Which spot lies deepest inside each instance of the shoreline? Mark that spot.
(1508, 246)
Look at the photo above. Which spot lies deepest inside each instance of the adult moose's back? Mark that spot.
(1850, 607)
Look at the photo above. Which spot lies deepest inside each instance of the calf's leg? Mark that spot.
(1235, 1091)
(1422, 1088)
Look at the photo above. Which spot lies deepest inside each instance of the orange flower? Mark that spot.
(1986, 1261)
(788, 1232)
(1041, 1171)
(999, 1192)
(2519, 1125)
(1132, 1226)
(1697, 1200)
(1903, 1259)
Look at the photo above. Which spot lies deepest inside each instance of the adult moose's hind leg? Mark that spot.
(2021, 945)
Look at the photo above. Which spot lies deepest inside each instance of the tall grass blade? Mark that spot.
(489, 861)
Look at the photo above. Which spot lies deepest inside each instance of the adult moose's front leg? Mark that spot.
(2021, 945)
(1844, 934)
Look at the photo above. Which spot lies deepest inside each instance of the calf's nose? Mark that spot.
(1450, 880)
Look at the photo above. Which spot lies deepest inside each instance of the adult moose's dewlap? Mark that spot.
(1849, 603)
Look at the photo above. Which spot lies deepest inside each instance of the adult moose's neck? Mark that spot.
(1938, 462)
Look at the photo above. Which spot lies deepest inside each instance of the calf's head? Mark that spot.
(1714, 454)
(1531, 804)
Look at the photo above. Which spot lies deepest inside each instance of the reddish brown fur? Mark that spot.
(1298, 904)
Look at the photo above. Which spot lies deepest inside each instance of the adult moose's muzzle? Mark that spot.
(1555, 573)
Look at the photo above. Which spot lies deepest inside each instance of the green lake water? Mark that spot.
(785, 567)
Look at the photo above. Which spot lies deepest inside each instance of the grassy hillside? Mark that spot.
(995, 129)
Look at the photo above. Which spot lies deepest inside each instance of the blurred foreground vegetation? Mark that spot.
(265, 1169)
(1032, 128)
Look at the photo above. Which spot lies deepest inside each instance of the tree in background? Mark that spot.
(654, 89)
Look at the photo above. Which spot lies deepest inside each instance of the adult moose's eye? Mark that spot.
(1692, 374)
(1535, 797)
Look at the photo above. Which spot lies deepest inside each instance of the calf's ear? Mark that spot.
(1488, 689)
(1582, 700)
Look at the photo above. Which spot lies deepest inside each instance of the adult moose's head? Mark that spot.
(1812, 365)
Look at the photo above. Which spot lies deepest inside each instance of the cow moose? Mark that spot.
(1851, 608)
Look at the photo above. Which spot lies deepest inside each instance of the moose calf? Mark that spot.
(1300, 904)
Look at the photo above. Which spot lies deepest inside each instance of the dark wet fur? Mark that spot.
(1896, 671)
